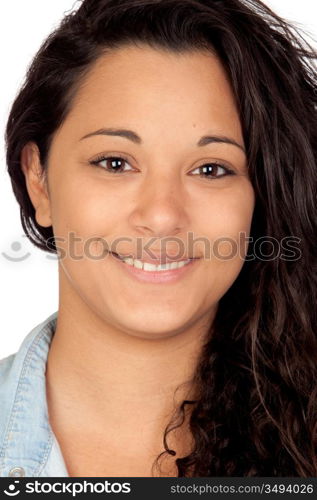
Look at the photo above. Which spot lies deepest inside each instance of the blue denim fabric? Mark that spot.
(28, 446)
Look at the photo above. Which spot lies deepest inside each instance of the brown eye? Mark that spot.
(112, 164)
(213, 170)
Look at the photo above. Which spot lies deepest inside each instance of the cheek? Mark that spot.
(227, 224)
(83, 211)
(230, 231)
(85, 207)
(224, 213)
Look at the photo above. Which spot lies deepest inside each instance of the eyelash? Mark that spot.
(117, 171)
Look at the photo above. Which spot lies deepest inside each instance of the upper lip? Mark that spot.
(162, 258)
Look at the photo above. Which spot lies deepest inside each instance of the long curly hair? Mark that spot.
(256, 409)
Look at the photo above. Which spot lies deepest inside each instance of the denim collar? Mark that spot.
(28, 446)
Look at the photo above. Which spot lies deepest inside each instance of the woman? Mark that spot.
(182, 135)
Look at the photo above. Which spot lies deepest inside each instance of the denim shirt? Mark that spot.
(28, 446)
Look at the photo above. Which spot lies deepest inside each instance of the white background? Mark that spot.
(29, 288)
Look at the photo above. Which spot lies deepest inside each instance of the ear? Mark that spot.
(36, 183)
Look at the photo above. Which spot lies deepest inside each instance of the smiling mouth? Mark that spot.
(150, 266)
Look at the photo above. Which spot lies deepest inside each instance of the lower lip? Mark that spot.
(169, 276)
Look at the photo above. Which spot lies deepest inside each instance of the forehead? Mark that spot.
(134, 85)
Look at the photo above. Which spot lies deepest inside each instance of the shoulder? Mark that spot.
(5, 367)
(34, 343)
(19, 375)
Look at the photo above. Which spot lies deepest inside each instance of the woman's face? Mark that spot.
(168, 188)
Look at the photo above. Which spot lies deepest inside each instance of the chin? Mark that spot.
(153, 326)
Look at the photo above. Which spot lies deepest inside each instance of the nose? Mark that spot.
(161, 207)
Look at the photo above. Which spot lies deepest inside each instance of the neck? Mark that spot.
(99, 373)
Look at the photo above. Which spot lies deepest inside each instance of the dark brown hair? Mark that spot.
(256, 411)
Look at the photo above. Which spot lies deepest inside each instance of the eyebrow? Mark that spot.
(132, 136)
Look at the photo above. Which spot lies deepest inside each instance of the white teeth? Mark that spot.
(137, 263)
(128, 260)
(149, 267)
(146, 266)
